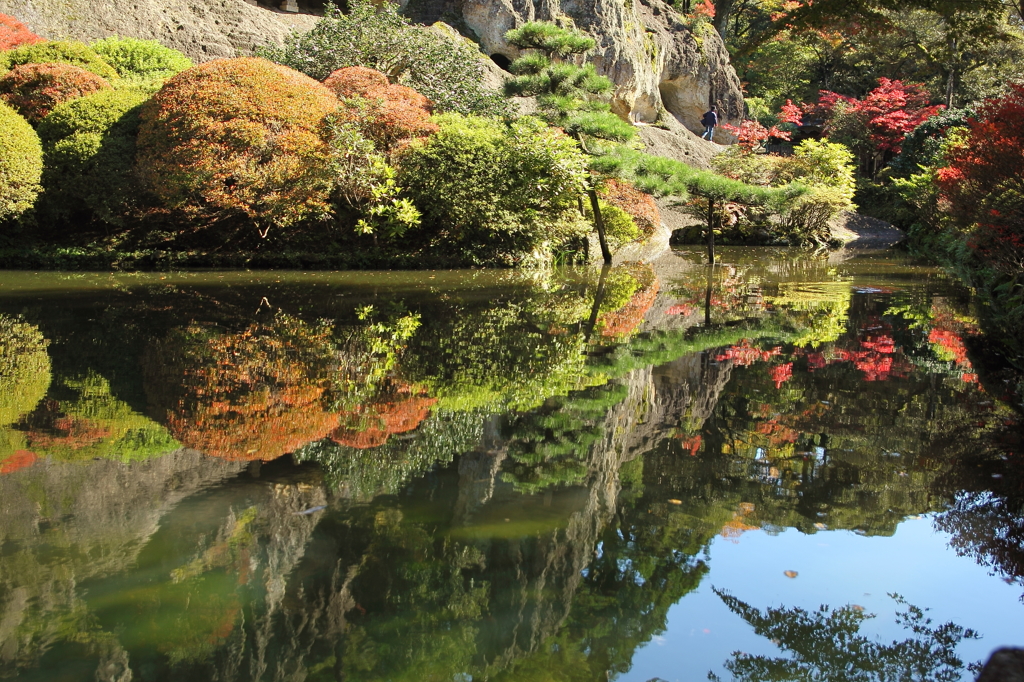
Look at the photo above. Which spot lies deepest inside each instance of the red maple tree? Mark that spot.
(14, 34)
(888, 112)
(981, 184)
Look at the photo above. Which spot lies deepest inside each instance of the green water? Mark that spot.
(784, 468)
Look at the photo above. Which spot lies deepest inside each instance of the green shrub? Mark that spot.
(144, 60)
(619, 226)
(35, 89)
(447, 70)
(60, 52)
(828, 169)
(89, 153)
(240, 137)
(21, 164)
(497, 193)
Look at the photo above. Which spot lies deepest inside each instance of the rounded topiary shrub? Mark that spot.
(89, 154)
(240, 137)
(13, 33)
(61, 52)
(141, 59)
(388, 114)
(35, 89)
(21, 164)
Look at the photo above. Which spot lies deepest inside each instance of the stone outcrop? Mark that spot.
(660, 67)
(202, 29)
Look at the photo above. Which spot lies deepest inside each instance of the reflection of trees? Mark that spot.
(550, 445)
(396, 408)
(853, 439)
(363, 473)
(826, 645)
(250, 395)
(24, 368)
(24, 379)
(986, 516)
(94, 424)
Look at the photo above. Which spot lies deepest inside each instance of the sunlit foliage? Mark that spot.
(21, 165)
(239, 138)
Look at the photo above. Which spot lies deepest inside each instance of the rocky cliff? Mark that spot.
(202, 29)
(662, 68)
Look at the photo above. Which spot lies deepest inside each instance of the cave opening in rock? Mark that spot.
(501, 60)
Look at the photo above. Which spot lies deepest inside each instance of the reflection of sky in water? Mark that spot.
(834, 568)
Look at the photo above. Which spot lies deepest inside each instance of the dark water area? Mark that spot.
(782, 468)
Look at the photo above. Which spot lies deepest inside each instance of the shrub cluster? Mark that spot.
(89, 151)
(60, 52)
(500, 193)
(239, 137)
(21, 164)
(13, 33)
(35, 89)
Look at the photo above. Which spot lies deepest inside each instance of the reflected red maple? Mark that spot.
(400, 408)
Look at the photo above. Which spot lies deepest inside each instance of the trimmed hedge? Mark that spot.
(61, 52)
(89, 151)
(240, 137)
(35, 89)
(21, 164)
(141, 59)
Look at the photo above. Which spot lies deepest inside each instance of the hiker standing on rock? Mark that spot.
(709, 122)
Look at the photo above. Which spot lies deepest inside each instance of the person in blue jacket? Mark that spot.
(709, 122)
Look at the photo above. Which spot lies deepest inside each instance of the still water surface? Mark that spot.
(781, 468)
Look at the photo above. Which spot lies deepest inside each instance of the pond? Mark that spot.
(784, 467)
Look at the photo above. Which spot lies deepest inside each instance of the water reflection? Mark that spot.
(508, 477)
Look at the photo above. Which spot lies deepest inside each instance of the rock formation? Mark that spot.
(662, 68)
(202, 29)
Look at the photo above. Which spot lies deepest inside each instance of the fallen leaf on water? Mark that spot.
(820, 526)
(790, 574)
(675, 501)
(857, 607)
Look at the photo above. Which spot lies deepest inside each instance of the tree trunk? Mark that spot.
(711, 231)
(599, 222)
(723, 10)
(596, 308)
(707, 295)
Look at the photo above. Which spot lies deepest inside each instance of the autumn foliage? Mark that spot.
(620, 323)
(14, 33)
(252, 395)
(239, 137)
(388, 113)
(35, 89)
(639, 205)
(982, 185)
(888, 112)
